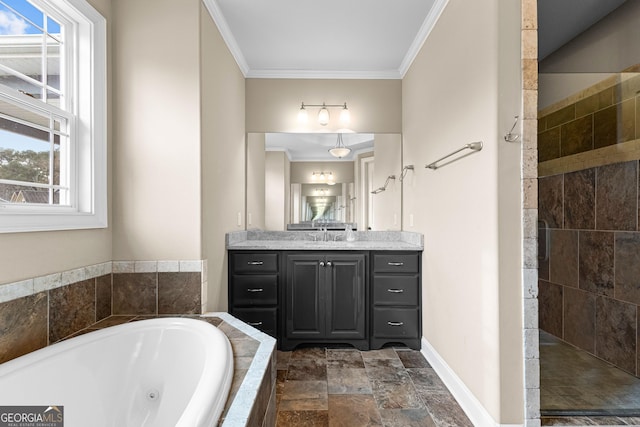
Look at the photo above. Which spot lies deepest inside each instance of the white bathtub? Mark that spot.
(159, 372)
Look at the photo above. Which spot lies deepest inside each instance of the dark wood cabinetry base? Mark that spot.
(366, 299)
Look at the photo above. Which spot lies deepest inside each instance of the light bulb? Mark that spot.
(323, 116)
(345, 115)
(303, 117)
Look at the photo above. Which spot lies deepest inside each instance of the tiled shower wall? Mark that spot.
(589, 235)
(589, 288)
(44, 310)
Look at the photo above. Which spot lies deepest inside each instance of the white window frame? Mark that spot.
(88, 155)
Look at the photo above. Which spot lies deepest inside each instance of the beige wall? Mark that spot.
(156, 167)
(273, 104)
(255, 180)
(27, 255)
(387, 206)
(454, 94)
(277, 180)
(301, 172)
(223, 155)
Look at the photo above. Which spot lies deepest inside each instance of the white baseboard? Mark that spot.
(468, 402)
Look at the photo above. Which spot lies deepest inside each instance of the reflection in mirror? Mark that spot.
(293, 182)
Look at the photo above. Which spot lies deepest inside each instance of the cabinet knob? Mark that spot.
(395, 323)
(395, 291)
(321, 263)
(255, 290)
(255, 262)
(254, 323)
(328, 263)
(396, 264)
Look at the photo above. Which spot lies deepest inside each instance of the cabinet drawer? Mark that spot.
(255, 262)
(396, 290)
(264, 319)
(396, 322)
(255, 290)
(396, 263)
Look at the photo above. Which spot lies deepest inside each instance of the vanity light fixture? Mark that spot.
(324, 177)
(323, 114)
(340, 150)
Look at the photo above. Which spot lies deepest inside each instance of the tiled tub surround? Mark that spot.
(589, 286)
(41, 311)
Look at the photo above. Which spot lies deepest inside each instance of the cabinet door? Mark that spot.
(346, 299)
(305, 299)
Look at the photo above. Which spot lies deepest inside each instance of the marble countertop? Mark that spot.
(302, 240)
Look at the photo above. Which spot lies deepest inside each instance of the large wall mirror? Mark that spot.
(295, 183)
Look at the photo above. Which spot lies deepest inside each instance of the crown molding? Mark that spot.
(227, 36)
(426, 28)
(316, 74)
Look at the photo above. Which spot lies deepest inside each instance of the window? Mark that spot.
(52, 115)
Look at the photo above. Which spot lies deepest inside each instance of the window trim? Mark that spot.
(89, 158)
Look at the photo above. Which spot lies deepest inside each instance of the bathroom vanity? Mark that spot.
(300, 289)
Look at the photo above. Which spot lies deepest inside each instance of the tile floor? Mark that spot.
(587, 390)
(347, 387)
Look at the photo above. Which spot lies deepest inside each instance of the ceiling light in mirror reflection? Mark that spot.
(313, 147)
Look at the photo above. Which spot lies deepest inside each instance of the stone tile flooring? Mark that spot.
(347, 387)
(583, 388)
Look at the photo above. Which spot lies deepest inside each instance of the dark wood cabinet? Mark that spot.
(363, 298)
(254, 283)
(396, 309)
(325, 299)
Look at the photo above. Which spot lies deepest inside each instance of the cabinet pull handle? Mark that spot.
(395, 291)
(395, 323)
(321, 263)
(396, 264)
(255, 290)
(328, 263)
(255, 262)
(254, 323)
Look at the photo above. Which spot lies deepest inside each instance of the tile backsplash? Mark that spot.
(41, 311)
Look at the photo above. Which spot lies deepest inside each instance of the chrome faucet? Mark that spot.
(325, 236)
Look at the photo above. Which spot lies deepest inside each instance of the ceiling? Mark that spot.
(324, 39)
(314, 147)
